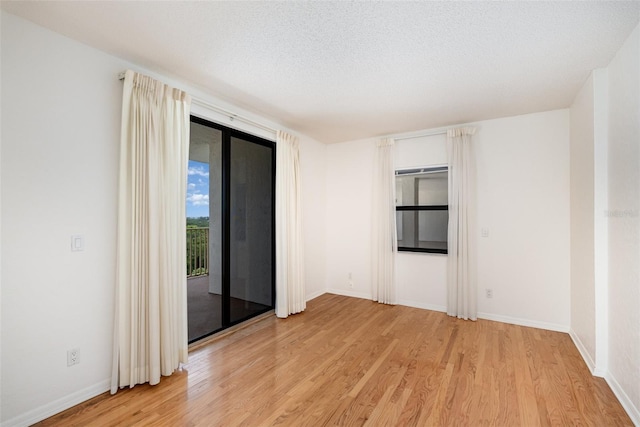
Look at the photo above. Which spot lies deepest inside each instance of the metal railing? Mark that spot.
(197, 252)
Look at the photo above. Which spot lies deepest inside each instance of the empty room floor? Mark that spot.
(352, 362)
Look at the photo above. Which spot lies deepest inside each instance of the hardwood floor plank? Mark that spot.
(371, 371)
(526, 395)
(353, 362)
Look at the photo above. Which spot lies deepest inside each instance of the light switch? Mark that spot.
(485, 232)
(77, 243)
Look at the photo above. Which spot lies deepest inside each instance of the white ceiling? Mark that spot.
(338, 71)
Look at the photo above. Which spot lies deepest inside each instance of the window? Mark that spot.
(422, 211)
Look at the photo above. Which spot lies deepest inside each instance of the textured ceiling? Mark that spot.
(339, 71)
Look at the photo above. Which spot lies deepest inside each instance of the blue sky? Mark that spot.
(198, 189)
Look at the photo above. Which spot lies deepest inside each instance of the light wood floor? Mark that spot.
(352, 362)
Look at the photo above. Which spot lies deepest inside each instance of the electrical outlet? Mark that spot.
(73, 357)
(489, 293)
(77, 243)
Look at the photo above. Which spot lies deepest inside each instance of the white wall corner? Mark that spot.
(583, 352)
(355, 294)
(57, 406)
(556, 327)
(406, 303)
(625, 401)
(314, 295)
(424, 306)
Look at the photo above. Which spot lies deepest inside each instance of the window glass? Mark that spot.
(422, 213)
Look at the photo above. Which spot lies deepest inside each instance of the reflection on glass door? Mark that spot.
(251, 231)
(230, 227)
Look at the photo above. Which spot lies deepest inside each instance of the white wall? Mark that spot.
(605, 223)
(61, 104)
(348, 217)
(600, 223)
(313, 174)
(60, 116)
(624, 225)
(523, 199)
(583, 323)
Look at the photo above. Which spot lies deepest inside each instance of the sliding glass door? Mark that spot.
(231, 194)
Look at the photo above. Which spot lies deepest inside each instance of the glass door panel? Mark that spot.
(251, 242)
(204, 238)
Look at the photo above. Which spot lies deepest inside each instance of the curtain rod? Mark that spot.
(432, 133)
(232, 116)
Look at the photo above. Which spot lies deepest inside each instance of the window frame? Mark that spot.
(419, 208)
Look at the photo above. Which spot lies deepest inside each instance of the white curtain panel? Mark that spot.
(150, 325)
(461, 260)
(290, 295)
(385, 242)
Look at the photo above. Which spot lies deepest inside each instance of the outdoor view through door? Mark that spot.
(230, 227)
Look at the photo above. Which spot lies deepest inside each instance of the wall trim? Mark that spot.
(314, 295)
(598, 372)
(59, 405)
(432, 307)
(524, 322)
(350, 293)
(625, 401)
(583, 352)
(486, 316)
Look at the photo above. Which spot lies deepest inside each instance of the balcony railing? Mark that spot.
(197, 252)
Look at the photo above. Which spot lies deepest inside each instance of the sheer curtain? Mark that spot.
(150, 325)
(385, 242)
(290, 296)
(461, 260)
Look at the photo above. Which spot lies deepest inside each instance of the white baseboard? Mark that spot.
(432, 307)
(350, 293)
(627, 404)
(583, 352)
(57, 406)
(407, 303)
(313, 295)
(599, 372)
(486, 316)
(524, 322)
